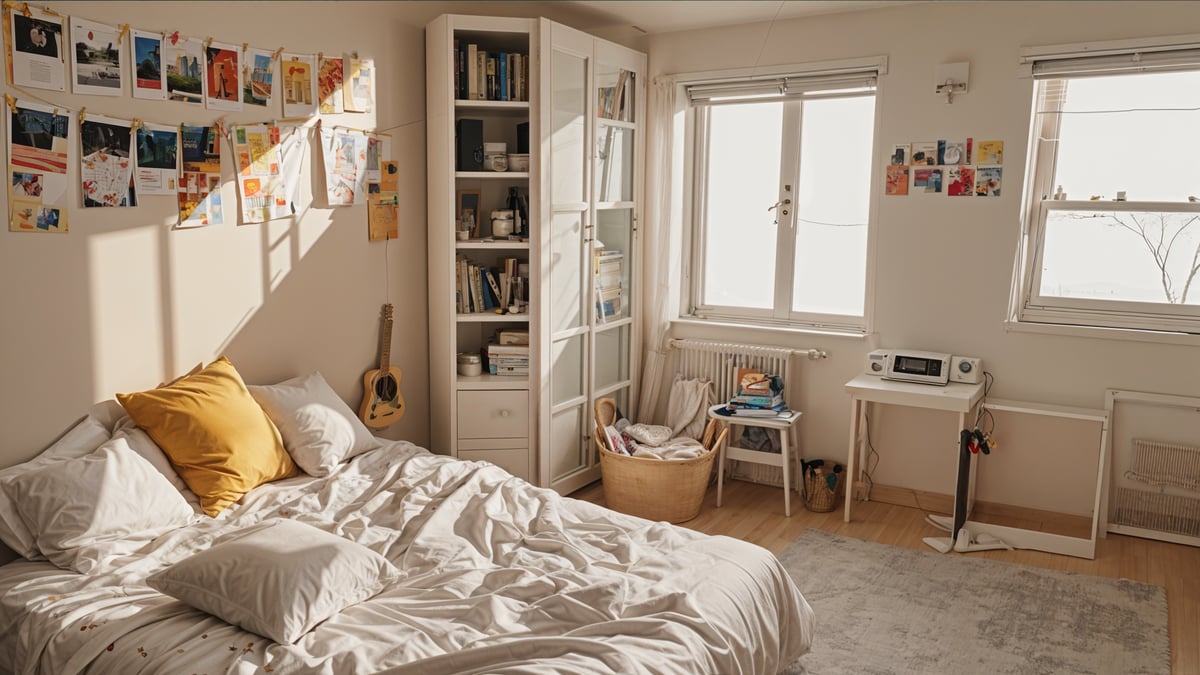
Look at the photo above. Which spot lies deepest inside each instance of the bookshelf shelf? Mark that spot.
(480, 245)
(492, 175)
(491, 382)
(491, 317)
(493, 106)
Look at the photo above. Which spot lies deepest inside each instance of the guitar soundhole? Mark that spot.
(385, 388)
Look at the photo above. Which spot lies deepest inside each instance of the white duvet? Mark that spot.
(499, 577)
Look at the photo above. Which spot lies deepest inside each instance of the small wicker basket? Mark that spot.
(655, 489)
(818, 497)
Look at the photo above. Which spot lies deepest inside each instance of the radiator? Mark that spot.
(718, 362)
(1159, 463)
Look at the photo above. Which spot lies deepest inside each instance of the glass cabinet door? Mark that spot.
(567, 462)
(615, 191)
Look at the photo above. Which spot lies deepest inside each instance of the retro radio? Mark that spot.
(912, 365)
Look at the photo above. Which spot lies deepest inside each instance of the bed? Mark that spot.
(461, 568)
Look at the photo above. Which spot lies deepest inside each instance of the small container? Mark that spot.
(470, 365)
(518, 162)
(502, 223)
(495, 156)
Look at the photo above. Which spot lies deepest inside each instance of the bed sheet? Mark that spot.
(499, 577)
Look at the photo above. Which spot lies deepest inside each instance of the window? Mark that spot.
(1119, 246)
(780, 197)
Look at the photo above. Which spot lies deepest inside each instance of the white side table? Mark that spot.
(786, 424)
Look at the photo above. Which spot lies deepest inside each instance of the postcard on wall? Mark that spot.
(899, 156)
(200, 177)
(298, 72)
(374, 165)
(991, 152)
(157, 159)
(987, 181)
(258, 69)
(897, 180)
(106, 161)
(184, 58)
(358, 82)
(924, 153)
(223, 76)
(345, 155)
(960, 181)
(36, 50)
(383, 204)
(97, 62)
(951, 152)
(38, 183)
(927, 180)
(149, 78)
(261, 187)
(329, 85)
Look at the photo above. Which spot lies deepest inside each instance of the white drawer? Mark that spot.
(493, 414)
(512, 460)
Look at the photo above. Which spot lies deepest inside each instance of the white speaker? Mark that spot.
(967, 369)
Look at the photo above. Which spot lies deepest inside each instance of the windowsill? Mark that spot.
(1123, 334)
(765, 329)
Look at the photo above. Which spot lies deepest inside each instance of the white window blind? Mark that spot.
(1113, 58)
(780, 87)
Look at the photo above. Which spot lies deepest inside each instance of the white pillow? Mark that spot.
(279, 578)
(319, 430)
(86, 509)
(81, 440)
(141, 443)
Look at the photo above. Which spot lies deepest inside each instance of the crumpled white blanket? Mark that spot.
(648, 434)
(675, 448)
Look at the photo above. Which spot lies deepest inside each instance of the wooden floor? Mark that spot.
(755, 513)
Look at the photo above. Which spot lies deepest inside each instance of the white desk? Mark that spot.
(785, 424)
(865, 389)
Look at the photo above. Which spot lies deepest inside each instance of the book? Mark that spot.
(751, 401)
(472, 71)
(518, 349)
(495, 287)
(512, 336)
(502, 76)
(736, 411)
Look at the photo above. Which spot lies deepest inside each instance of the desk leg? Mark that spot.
(852, 453)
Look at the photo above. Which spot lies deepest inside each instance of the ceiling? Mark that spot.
(665, 16)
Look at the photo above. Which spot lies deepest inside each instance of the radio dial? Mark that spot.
(964, 366)
(876, 366)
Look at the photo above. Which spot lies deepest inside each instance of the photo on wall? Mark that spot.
(35, 50)
(149, 78)
(924, 153)
(184, 57)
(987, 181)
(98, 63)
(257, 87)
(223, 77)
(960, 181)
(298, 79)
(927, 180)
(157, 159)
(106, 164)
(38, 185)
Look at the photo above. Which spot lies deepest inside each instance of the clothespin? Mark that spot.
(245, 46)
(207, 42)
(320, 57)
(174, 38)
(275, 56)
(136, 124)
(82, 114)
(12, 103)
(46, 10)
(219, 123)
(124, 32)
(354, 55)
(25, 11)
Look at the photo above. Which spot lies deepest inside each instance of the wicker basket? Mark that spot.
(655, 489)
(817, 495)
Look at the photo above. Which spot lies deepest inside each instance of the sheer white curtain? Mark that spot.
(660, 239)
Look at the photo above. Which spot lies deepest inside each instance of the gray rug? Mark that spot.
(882, 609)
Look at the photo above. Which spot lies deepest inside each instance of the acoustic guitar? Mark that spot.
(382, 402)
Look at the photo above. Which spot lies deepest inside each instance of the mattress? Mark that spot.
(498, 577)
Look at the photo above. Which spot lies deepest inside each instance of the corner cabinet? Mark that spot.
(567, 273)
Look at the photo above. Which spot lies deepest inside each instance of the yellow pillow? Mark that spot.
(219, 439)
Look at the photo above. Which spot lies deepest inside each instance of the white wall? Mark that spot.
(124, 302)
(943, 266)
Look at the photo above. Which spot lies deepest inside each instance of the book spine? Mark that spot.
(502, 76)
(472, 71)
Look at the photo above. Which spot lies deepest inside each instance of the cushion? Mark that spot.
(319, 430)
(279, 578)
(82, 439)
(219, 440)
(87, 509)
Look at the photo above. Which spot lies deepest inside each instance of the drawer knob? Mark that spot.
(504, 413)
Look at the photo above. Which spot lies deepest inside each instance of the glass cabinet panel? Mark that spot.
(566, 369)
(567, 273)
(614, 164)
(569, 128)
(567, 454)
(613, 266)
(615, 87)
(612, 357)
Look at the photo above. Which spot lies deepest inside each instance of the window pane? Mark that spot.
(1099, 255)
(1130, 133)
(743, 181)
(832, 204)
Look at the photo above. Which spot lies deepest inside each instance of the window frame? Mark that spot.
(1075, 61)
(696, 144)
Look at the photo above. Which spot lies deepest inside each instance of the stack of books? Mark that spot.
(609, 276)
(759, 394)
(509, 353)
(480, 75)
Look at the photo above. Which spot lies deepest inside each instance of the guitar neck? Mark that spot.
(385, 345)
